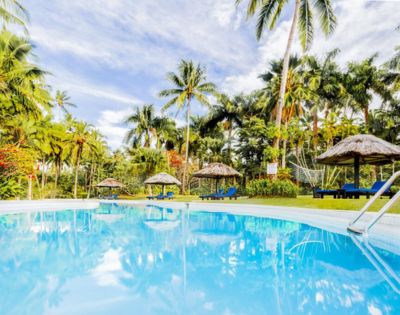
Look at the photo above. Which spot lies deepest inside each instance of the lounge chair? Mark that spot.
(211, 196)
(320, 193)
(357, 192)
(231, 194)
(169, 195)
(159, 196)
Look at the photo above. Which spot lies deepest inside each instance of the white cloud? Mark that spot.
(110, 124)
(139, 41)
(364, 28)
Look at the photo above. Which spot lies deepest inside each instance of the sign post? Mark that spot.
(272, 168)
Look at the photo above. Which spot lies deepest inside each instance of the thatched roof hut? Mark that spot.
(369, 149)
(217, 171)
(110, 183)
(358, 150)
(162, 179)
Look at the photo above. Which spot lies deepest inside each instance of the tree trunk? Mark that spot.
(184, 182)
(230, 144)
(43, 174)
(90, 179)
(315, 131)
(285, 70)
(56, 177)
(29, 196)
(366, 118)
(78, 158)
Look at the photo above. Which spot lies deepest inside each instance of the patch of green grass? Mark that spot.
(299, 202)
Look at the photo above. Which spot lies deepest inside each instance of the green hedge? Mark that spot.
(272, 188)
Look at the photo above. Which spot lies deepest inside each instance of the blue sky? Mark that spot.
(113, 55)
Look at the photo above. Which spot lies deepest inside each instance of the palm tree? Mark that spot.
(164, 130)
(297, 92)
(11, 11)
(363, 81)
(143, 120)
(62, 101)
(190, 83)
(80, 135)
(226, 110)
(58, 141)
(22, 86)
(269, 13)
(326, 81)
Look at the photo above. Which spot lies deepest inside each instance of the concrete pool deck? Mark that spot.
(385, 234)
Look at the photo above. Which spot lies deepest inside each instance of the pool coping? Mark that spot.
(386, 233)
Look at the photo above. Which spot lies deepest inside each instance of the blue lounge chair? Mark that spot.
(169, 195)
(357, 192)
(231, 194)
(159, 196)
(320, 193)
(211, 196)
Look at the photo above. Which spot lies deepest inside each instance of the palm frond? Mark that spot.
(264, 18)
(327, 17)
(305, 24)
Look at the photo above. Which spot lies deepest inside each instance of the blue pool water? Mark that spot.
(149, 260)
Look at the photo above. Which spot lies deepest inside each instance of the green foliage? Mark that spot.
(9, 188)
(272, 188)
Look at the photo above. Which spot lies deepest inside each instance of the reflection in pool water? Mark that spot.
(152, 260)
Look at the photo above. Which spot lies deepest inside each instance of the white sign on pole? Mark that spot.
(272, 168)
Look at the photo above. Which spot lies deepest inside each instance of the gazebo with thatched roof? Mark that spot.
(217, 171)
(110, 183)
(163, 179)
(359, 150)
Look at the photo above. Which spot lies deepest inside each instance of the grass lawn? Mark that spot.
(301, 201)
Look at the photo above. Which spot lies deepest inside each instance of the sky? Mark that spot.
(113, 55)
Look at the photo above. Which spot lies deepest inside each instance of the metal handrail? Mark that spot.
(384, 209)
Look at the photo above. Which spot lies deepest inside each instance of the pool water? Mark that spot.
(151, 260)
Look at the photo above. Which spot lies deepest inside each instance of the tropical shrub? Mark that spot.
(272, 188)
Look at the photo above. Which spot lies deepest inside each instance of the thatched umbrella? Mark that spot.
(358, 150)
(110, 183)
(162, 179)
(217, 171)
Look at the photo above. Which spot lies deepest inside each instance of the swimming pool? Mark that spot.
(140, 259)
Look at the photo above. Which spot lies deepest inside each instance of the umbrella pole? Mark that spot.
(163, 190)
(216, 186)
(357, 171)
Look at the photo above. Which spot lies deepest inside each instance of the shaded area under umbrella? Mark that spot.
(110, 183)
(162, 179)
(217, 171)
(359, 150)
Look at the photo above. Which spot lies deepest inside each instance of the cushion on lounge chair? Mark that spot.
(374, 188)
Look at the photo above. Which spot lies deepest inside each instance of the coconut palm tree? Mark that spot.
(22, 86)
(143, 121)
(326, 81)
(364, 80)
(164, 130)
(80, 133)
(297, 93)
(188, 84)
(269, 12)
(59, 151)
(227, 110)
(63, 101)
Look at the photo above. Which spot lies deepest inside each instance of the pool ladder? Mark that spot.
(380, 213)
